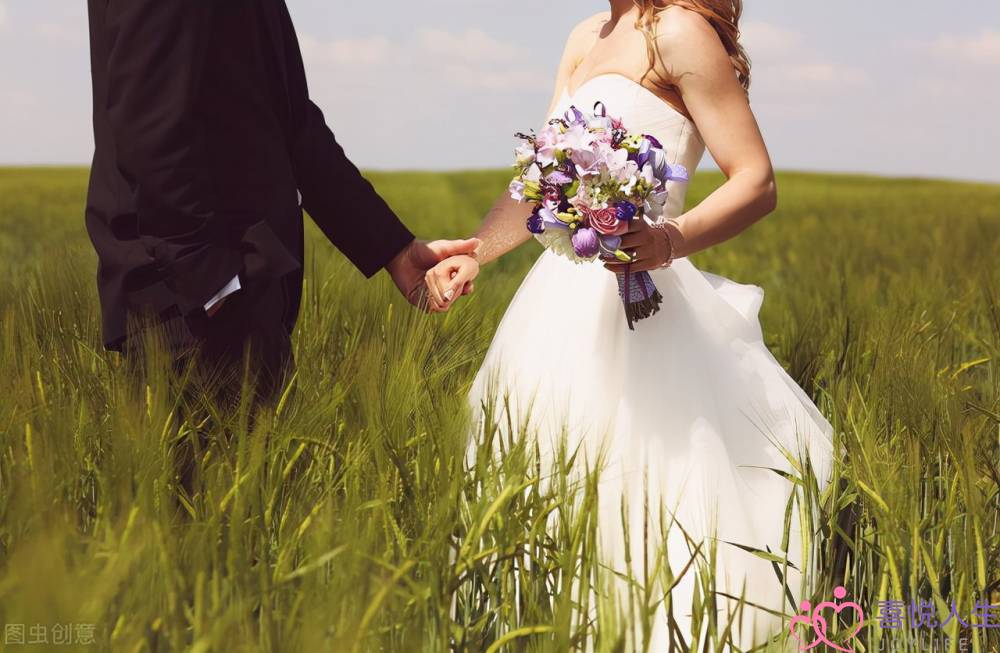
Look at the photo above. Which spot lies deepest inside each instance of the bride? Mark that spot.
(690, 410)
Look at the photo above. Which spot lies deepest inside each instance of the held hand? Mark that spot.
(449, 280)
(651, 247)
(410, 265)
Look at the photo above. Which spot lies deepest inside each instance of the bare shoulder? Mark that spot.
(682, 34)
(586, 31)
(592, 24)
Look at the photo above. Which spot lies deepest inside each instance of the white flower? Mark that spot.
(516, 190)
(547, 143)
(525, 155)
(616, 161)
(576, 138)
(629, 186)
(654, 204)
(648, 176)
(560, 241)
(600, 123)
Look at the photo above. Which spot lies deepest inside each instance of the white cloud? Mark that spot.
(983, 48)
(786, 65)
(769, 41)
(469, 59)
(823, 74)
(500, 80)
(61, 33)
(471, 45)
(18, 99)
(434, 97)
(361, 51)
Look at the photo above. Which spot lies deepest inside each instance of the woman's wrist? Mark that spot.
(665, 248)
(671, 239)
(678, 244)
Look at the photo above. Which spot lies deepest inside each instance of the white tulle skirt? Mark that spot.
(690, 411)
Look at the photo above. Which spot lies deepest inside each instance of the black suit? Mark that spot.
(205, 132)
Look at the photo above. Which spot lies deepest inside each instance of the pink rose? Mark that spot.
(605, 221)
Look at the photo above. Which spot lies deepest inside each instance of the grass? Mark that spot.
(345, 519)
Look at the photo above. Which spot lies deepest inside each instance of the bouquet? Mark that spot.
(588, 178)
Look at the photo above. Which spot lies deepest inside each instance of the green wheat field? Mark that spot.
(344, 518)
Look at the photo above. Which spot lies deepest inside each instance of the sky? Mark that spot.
(897, 87)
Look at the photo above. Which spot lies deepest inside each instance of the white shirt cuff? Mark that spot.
(227, 290)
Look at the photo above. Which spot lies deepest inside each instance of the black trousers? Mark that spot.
(247, 335)
(244, 349)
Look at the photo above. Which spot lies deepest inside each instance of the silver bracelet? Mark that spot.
(664, 228)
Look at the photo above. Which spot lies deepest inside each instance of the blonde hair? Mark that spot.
(722, 15)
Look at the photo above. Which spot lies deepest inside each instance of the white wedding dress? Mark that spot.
(691, 403)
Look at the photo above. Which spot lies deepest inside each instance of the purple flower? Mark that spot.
(644, 154)
(663, 171)
(626, 211)
(549, 219)
(652, 140)
(610, 244)
(677, 172)
(558, 178)
(586, 243)
(574, 116)
(535, 223)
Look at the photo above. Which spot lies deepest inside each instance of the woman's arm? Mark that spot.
(503, 229)
(693, 59)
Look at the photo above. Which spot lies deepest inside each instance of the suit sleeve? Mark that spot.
(340, 200)
(156, 67)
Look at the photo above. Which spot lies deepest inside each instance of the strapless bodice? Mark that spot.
(643, 112)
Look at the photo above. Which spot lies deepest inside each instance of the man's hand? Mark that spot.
(410, 265)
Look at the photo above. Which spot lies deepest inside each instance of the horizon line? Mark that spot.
(901, 176)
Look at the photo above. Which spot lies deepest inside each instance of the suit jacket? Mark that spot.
(205, 136)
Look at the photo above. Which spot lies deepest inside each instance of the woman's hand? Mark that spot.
(410, 265)
(651, 247)
(449, 280)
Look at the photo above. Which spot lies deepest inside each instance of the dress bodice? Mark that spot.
(643, 112)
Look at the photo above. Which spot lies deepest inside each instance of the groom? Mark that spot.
(207, 150)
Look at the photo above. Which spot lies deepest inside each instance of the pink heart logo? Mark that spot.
(819, 625)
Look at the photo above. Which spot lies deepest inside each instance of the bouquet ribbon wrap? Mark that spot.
(639, 295)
